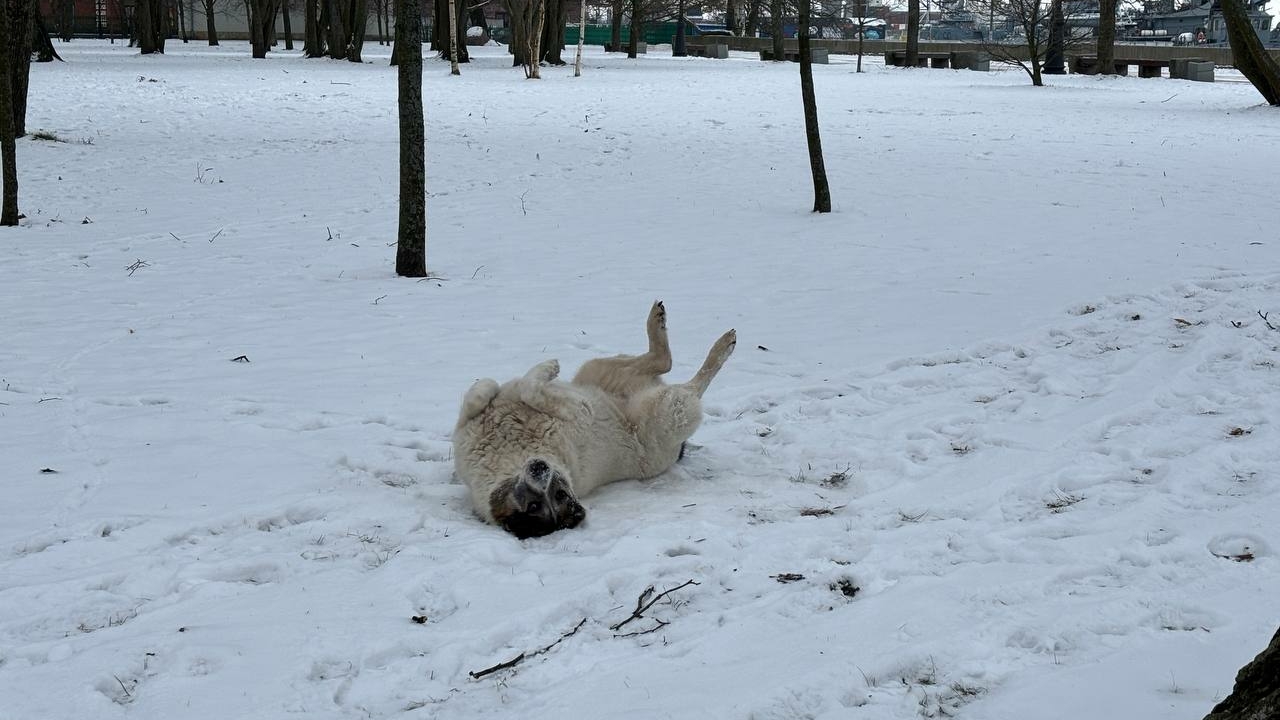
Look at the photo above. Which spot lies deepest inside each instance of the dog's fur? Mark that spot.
(528, 449)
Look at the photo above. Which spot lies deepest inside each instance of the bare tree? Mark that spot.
(288, 24)
(731, 16)
(211, 29)
(582, 38)
(1106, 37)
(20, 16)
(775, 28)
(8, 144)
(552, 44)
(527, 18)
(1038, 43)
(1249, 57)
(615, 26)
(913, 31)
(453, 38)
(312, 33)
(411, 234)
(262, 19)
(149, 18)
(821, 192)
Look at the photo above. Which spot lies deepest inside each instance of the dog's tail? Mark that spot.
(477, 399)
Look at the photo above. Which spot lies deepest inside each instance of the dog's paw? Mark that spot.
(725, 345)
(658, 316)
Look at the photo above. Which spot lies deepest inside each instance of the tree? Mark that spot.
(1256, 694)
(262, 21)
(442, 28)
(678, 46)
(582, 38)
(1043, 38)
(453, 38)
(775, 29)
(821, 192)
(210, 6)
(20, 18)
(8, 144)
(288, 25)
(557, 11)
(312, 37)
(411, 235)
(527, 18)
(1106, 37)
(913, 31)
(1248, 55)
(149, 18)
(615, 26)
(731, 16)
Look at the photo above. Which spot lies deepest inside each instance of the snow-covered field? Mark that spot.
(1005, 422)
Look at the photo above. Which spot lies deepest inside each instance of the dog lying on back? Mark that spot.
(530, 448)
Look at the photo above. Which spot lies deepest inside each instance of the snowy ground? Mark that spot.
(1014, 391)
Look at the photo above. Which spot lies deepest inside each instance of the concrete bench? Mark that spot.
(898, 58)
(641, 48)
(1181, 68)
(818, 56)
(970, 60)
(708, 50)
(1084, 64)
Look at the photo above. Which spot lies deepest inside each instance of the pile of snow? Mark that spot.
(999, 439)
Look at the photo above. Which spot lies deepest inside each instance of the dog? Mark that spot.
(530, 448)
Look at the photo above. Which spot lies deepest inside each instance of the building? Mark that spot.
(1202, 19)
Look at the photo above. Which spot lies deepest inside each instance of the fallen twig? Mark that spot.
(647, 600)
(660, 624)
(477, 674)
(137, 265)
(1264, 317)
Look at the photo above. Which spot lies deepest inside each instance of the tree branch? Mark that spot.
(647, 600)
(477, 674)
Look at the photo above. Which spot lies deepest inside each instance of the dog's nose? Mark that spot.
(537, 468)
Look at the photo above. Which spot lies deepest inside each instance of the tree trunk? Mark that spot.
(534, 18)
(359, 21)
(582, 39)
(210, 29)
(264, 19)
(440, 28)
(1256, 695)
(753, 19)
(1055, 55)
(312, 39)
(411, 234)
(553, 32)
(731, 16)
(518, 43)
(678, 48)
(1249, 57)
(821, 192)
(8, 144)
(1106, 37)
(21, 19)
(862, 35)
(775, 29)
(377, 14)
(337, 39)
(615, 26)
(41, 45)
(288, 26)
(453, 38)
(150, 30)
(182, 23)
(637, 30)
(913, 32)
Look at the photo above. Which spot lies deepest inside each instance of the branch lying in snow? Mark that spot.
(477, 674)
(647, 600)
(1264, 317)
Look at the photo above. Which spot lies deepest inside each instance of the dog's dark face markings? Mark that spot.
(537, 502)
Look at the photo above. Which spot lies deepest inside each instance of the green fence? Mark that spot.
(654, 34)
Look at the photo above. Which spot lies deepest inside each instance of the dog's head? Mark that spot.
(538, 501)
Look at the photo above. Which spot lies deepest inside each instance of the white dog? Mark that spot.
(530, 448)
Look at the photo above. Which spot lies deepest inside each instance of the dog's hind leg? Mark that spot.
(716, 358)
(627, 374)
(477, 399)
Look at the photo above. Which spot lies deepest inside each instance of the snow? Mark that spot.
(1015, 390)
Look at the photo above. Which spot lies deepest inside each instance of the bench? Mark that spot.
(898, 58)
(820, 56)
(1083, 64)
(641, 48)
(716, 50)
(1195, 69)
